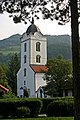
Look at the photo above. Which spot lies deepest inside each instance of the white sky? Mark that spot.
(8, 27)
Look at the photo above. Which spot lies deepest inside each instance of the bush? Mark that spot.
(47, 101)
(60, 108)
(23, 112)
(9, 106)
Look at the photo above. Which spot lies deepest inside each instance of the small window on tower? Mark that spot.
(24, 71)
(25, 47)
(24, 58)
(24, 82)
(38, 46)
(38, 57)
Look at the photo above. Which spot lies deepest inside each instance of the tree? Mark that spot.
(13, 68)
(22, 10)
(59, 72)
(3, 77)
(59, 10)
(75, 57)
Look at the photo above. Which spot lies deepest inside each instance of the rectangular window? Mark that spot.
(25, 47)
(24, 58)
(24, 71)
(38, 46)
(24, 82)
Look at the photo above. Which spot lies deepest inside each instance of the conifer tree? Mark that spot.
(13, 68)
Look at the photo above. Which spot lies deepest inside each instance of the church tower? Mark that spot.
(30, 77)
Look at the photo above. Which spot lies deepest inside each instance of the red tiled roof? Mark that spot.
(4, 89)
(39, 68)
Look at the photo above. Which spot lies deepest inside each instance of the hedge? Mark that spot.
(23, 112)
(62, 108)
(9, 106)
(47, 101)
(36, 106)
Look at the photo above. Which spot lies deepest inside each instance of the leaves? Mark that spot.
(3, 77)
(1, 11)
(59, 75)
(17, 19)
(22, 10)
(50, 9)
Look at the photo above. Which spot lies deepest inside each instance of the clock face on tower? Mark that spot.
(38, 35)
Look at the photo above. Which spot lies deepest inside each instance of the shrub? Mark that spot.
(47, 101)
(23, 112)
(9, 106)
(60, 108)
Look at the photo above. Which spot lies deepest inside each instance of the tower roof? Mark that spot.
(39, 68)
(32, 28)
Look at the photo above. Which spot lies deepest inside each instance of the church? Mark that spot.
(31, 74)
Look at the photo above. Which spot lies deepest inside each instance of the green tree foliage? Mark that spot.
(22, 10)
(59, 75)
(13, 68)
(3, 77)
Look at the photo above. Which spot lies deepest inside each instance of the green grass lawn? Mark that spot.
(45, 118)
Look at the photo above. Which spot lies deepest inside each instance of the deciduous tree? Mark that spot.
(59, 72)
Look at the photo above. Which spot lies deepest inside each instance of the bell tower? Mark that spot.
(33, 61)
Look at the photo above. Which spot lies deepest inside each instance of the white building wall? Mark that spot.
(33, 80)
(30, 82)
(19, 83)
(25, 53)
(39, 80)
(42, 52)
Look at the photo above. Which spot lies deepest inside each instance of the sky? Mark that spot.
(47, 27)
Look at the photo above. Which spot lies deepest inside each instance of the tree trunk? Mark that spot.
(75, 58)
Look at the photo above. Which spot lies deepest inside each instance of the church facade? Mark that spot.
(30, 77)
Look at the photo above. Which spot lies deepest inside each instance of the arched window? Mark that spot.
(24, 71)
(25, 46)
(24, 58)
(38, 46)
(38, 58)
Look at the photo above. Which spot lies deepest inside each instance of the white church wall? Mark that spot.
(19, 83)
(34, 53)
(25, 53)
(30, 82)
(39, 80)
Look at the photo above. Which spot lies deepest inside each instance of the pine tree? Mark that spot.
(13, 68)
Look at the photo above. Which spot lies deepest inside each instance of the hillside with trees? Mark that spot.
(57, 46)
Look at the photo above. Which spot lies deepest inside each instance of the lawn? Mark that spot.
(45, 118)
